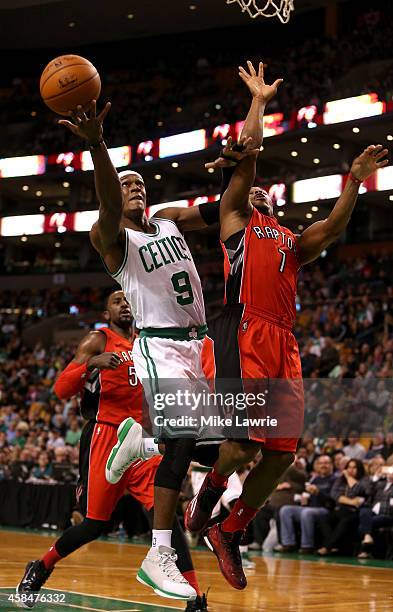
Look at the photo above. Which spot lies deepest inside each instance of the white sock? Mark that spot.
(243, 549)
(150, 447)
(161, 537)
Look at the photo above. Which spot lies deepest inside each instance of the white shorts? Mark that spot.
(173, 381)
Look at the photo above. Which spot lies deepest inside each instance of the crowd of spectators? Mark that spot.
(333, 500)
(345, 333)
(160, 96)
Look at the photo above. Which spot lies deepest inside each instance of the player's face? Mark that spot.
(118, 310)
(134, 194)
(261, 200)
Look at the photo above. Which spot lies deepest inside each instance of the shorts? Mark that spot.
(259, 355)
(98, 498)
(168, 367)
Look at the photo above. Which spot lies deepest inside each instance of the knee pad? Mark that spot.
(175, 463)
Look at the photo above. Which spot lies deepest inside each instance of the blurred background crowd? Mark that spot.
(157, 97)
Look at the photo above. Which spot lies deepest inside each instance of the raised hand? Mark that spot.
(369, 161)
(256, 84)
(87, 127)
(231, 157)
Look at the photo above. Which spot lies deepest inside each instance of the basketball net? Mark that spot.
(271, 8)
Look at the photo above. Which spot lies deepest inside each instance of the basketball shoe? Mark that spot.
(128, 448)
(225, 545)
(197, 605)
(200, 508)
(34, 577)
(160, 572)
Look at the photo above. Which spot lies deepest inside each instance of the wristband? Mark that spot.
(355, 180)
(97, 144)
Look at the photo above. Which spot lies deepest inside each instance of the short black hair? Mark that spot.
(110, 292)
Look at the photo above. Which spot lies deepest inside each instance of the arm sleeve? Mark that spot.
(210, 211)
(71, 380)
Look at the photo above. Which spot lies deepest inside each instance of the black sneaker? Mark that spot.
(34, 577)
(200, 508)
(197, 605)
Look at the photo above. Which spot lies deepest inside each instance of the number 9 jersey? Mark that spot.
(159, 278)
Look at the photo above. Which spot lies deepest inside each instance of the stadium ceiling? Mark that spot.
(64, 23)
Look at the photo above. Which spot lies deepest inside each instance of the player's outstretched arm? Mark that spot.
(235, 210)
(89, 355)
(107, 234)
(321, 234)
(199, 217)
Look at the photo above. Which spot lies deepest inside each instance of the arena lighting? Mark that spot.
(25, 188)
(309, 190)
(309, 215)
(319, 188)
(23, 224)
(272, 125)
(38, 193)
(389, 137)
(211, 170)
(355, 130)
(120, 156)
(316, 160)
(294, 153)
(83, 221)
(314, 208)
(304, 139)
(349, 109)
(336, 146)
(66, 184)
(174, 164)
(384, 178)
(280, 213)
(30, 165)
(179, 144)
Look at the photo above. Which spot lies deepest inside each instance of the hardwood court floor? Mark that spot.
(101, 576)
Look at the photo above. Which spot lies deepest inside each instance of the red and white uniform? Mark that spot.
(253, 339)
(113, 395)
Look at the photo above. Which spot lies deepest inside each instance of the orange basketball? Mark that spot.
(67, 81)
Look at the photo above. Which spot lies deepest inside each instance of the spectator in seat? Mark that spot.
(73, 434)
(340, 461)
(315, 502)
(349, 492)
(291, 483)
(379, 510)
(43, 471)
(354, 449)
(377, 446)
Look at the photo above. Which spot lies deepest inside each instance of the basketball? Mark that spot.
(67, 81)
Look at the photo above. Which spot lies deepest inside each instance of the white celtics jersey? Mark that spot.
(159, 278)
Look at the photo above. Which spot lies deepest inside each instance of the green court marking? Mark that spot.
(71, 601)
(352, 561)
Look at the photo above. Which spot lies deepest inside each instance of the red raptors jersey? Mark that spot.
(261, 266)
(114, 395)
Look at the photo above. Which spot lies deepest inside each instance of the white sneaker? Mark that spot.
(246, 562)
(128, 448)
(160, 572)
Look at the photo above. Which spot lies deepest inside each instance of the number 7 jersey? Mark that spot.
(159, 278)
(261, 268)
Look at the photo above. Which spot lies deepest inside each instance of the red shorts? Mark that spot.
(245, 346)
(138, 480)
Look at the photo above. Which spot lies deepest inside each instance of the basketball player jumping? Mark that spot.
(103, 372)
(152, 263)
(253, 338)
